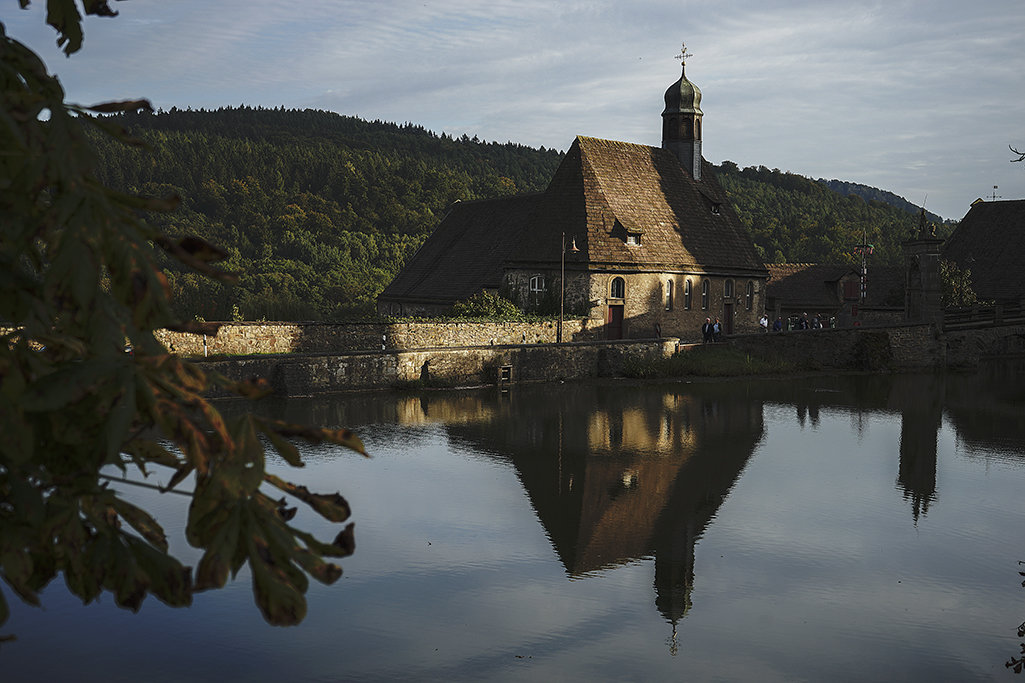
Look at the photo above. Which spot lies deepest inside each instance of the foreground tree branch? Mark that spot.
(78, 281)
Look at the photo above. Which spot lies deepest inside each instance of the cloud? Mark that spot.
(911, 97)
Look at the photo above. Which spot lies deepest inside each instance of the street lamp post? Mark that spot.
(562, 284)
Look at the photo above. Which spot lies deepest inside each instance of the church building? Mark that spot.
(642, 240)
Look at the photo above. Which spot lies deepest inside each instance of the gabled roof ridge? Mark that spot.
(591, 138)
(520, 195)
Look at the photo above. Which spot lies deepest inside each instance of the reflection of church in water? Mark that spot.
(617, 475)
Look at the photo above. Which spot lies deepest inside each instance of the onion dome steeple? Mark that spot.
(681, 120)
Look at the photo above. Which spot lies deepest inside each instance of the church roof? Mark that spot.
(465, 253)
(990, 241)
(605, 190)
(602, 191)
(814, 285)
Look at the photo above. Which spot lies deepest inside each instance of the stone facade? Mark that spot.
(651, 304)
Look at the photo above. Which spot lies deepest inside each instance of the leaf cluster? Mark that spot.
(80, 286)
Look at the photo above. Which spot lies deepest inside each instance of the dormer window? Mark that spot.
(633, 239)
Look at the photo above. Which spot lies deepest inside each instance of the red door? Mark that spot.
(616, 321)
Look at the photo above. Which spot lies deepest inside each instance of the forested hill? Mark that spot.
(794, 219)
(869, 193)
(319, 211)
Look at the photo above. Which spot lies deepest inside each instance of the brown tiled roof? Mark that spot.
(602, 190)
(465, 253)
(810, 285)
(990, 241)
(885, 286)
(605, 189)
(814, 285)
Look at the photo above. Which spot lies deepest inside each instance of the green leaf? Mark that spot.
(165, 576)
(325, 572)
(68, 384)
(280, 602)
(285, 448)
(331, 507)
(121, 414)
(141, 521)
(17, 571)
(213, 568)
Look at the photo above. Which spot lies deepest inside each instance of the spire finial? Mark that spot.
(683, 54)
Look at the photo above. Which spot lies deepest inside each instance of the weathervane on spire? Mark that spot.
(683, 53)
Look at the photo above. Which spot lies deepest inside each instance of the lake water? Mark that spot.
(824, 528)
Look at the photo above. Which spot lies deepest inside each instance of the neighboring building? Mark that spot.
(833, 291)
(990, 242)
(647, 237)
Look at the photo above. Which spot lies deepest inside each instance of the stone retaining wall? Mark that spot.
(245, 338)
(308, 374)
(965, 348)
(903, 347)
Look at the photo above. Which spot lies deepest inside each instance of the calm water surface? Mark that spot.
(826, 528)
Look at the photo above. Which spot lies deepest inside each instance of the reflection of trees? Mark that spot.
(617, 474)
(986, 408)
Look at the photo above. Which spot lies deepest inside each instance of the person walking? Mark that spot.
(706, 331)
(717, 330)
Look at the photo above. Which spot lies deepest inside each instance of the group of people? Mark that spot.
(711, 332)
(817, 322)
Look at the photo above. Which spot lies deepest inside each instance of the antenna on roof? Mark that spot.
(683, 54)
(995, 195)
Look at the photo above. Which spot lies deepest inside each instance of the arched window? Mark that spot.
(727, 289)
(618, 288)
(537, 290)
(669, 295)
(686, 294)
(704, 294)
(749, 301)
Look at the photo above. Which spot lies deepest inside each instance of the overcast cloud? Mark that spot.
(920, 97)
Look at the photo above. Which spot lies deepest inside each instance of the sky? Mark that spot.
(918, 97)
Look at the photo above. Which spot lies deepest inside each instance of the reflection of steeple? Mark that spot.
(618, 475)
(921, 415)
(917, 473)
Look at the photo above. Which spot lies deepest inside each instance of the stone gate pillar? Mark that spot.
(922, 276)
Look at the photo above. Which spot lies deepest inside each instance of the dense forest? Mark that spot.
(318, 211)
(869, 193)
(794, 219)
